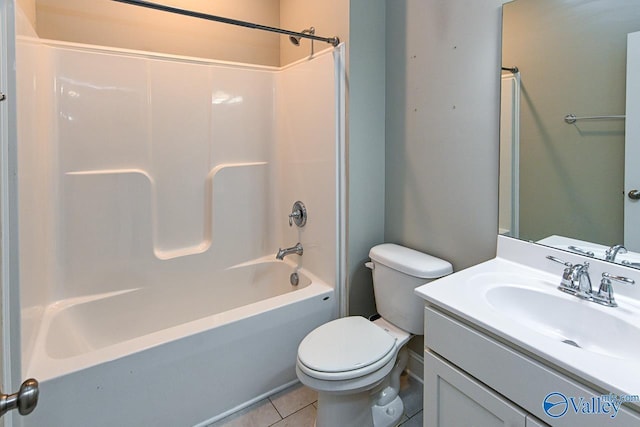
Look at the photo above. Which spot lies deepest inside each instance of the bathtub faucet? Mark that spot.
(297, 249)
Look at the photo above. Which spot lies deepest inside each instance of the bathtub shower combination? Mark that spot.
(154, 192)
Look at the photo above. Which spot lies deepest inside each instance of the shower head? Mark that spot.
(295, 40)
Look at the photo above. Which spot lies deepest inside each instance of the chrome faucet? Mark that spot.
(297, 249)
(576, 281)
(581, 275)
(575, 278)
(613, 251)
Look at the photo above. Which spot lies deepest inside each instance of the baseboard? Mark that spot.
(415, 366)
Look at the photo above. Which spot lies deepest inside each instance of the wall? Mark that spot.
(578, 169)
(443, 77)
(307, 171)
(442, 106)
(366, 216)
(33, 64)
(120, 25)
(28, 9)
(109, 23)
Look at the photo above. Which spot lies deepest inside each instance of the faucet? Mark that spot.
(582, 280)
(576, 281)
(613, 251)
(575, 278)
(297, 249)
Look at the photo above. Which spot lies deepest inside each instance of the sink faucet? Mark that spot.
(576, 281)
(575, 278)
(297, 249)
(582, 280)
(613, 251)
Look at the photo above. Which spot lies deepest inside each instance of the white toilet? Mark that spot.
(355, 364)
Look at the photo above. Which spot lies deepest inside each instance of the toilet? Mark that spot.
(355, 364)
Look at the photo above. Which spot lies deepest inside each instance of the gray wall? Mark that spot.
(366, 146)
(443, 89)
(442, 134)
(571, 176)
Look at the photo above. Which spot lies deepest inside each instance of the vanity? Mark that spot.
(505, 346)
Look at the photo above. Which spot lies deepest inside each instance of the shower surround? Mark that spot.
(154, 192)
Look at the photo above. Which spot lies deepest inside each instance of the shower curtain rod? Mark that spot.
(512, 69)
(335, 41)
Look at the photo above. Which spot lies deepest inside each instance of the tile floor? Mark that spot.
(296, 407)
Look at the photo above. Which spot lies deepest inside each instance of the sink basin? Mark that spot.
(567, 319)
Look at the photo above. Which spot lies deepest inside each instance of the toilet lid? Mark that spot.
(346, 344)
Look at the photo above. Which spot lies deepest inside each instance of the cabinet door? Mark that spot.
(454, 399)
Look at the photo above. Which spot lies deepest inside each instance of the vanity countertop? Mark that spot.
(515, 297)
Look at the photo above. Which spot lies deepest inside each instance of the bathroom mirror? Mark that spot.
(562, 182)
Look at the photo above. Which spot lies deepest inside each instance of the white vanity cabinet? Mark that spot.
(456, 399)
(473, 379)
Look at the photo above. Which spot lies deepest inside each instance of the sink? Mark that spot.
(512, 304)
(515, 297)
(567, 319)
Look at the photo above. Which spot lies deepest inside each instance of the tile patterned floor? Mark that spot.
(295, 407)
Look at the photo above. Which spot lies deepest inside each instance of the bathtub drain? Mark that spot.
(294, 279)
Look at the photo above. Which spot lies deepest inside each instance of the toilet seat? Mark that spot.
(345, 348)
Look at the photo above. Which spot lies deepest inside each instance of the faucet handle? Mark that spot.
(559, 261)
(293, 215)
(568, 283)
(605, 293)
(620, 279)
(298, 214)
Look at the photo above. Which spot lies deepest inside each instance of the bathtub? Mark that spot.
(175, 359)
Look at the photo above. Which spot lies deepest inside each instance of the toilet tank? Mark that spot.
(397, 271)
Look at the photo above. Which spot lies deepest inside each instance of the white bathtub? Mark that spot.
(172, 359)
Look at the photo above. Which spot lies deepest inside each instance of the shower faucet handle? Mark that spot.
(298, 214)
(292, 216)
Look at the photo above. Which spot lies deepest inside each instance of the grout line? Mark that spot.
(278, 412)
(290, 415)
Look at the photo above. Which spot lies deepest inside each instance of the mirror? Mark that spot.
(562, 180)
